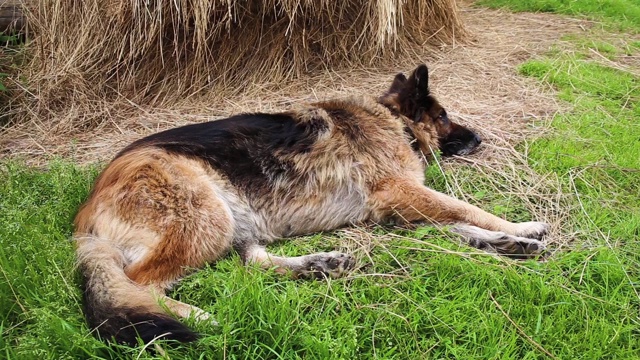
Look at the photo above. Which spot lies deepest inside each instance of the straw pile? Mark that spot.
(157, 51)
(476, 81)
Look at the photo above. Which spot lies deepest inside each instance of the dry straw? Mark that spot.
(157, 51)
(476, 82)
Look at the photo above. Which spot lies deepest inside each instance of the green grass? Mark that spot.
(597, 147)
(617, 14)
(411, 299)
(436, 305)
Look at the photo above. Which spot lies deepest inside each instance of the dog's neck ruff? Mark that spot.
(411, 137)
(413, 140)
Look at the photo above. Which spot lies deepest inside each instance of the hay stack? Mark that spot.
(11, 19)
(156, 51)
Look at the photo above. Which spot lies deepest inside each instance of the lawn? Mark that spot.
(416, 294)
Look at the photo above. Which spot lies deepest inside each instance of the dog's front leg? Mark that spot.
(410, 202)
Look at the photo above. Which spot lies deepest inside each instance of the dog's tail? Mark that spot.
(116, 307)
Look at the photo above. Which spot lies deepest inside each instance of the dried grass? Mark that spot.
(155, 52)
(476, 82)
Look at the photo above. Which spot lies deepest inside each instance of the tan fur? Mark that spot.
(175, 222)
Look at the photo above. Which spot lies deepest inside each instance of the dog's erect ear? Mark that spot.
(410, 96)
(420, 82)
(399, 83)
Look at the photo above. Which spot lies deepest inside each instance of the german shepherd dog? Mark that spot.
(184, 197)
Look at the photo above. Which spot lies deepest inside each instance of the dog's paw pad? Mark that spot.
(333, 264)
(533, 247)
(521, 248)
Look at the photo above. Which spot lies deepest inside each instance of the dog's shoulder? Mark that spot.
(360, 122)
(261, 150)
(362, 113)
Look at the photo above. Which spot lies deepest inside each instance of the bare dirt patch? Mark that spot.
(476, 82)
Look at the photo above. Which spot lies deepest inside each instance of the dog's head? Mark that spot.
(425, 118)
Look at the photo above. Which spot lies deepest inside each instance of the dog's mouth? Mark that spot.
(460, 147)
(468, 150)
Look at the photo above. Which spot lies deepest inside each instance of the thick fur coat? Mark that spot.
(179, 199)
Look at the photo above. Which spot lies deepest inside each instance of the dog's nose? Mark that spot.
(477, 139)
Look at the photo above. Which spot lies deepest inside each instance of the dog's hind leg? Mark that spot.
(510, 245)
(320, 265)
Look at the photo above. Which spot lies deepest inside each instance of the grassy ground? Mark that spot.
(417, 294)
(615, 14)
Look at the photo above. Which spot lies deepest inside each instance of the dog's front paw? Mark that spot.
(517, 247)
(511, 246)
(332, 264)
(532, 230)
(523, 248)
